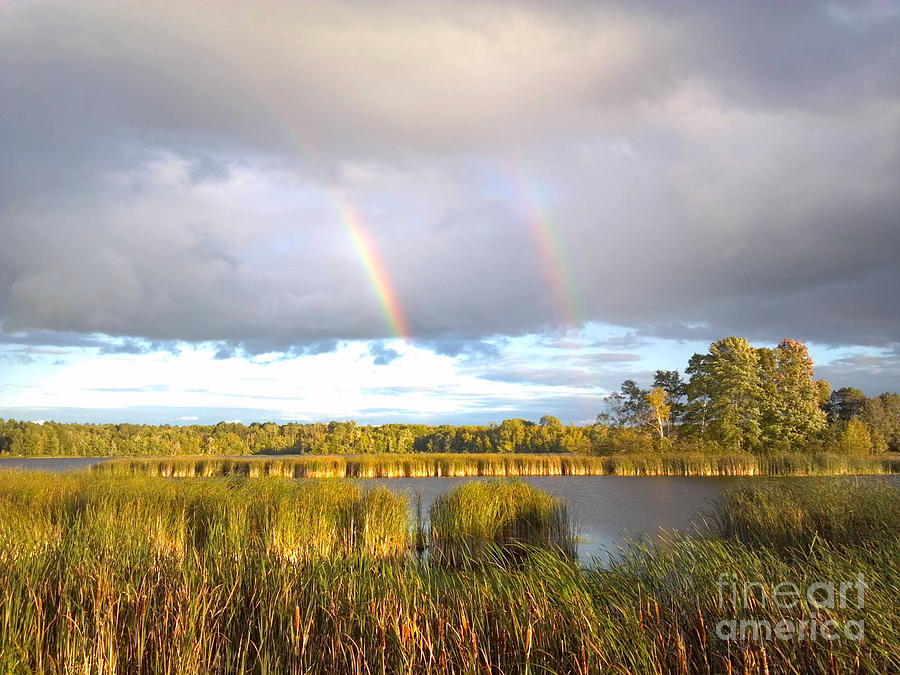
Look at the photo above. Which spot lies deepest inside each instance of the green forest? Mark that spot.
(735, 397)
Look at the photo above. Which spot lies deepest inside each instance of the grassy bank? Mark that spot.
(84, 591)
(503, 465)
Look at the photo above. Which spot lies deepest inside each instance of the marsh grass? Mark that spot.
(671, 590)
(497, 522)
(792, 515)
(143, 575)
(230, 517)
(425, 465)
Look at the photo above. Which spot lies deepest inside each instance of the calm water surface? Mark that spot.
(610, 510)
(49, 463)
(606, 510)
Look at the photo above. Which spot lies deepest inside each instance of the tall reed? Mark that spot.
(231, 517)
(500, 521)
(796, 515)
(426, 465)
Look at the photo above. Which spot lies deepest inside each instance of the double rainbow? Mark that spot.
(544, 232)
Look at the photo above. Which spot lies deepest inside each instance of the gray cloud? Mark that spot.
(49, 338)
(284, 347)
(612, 357)
(629, 340)
(548, 376)
(468, 349)
(178, 174)
(382, 354)
(104, 344)
(873, 373)
(129, 347)
(225, 351)
(19, 359)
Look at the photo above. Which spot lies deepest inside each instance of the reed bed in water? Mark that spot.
(504, 465)
(497, 522)
(79, 596)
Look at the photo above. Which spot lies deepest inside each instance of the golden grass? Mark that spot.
(425, 465)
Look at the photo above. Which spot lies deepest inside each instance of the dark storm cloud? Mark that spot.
(172, 173)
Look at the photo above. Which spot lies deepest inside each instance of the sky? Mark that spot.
(442, 212)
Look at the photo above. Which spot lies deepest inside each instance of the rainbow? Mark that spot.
(371, 258)
(362, 239)
(556, 269)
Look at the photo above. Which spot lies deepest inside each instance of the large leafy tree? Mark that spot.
(791, 414)
(725, 395)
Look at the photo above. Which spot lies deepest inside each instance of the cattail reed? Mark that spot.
(427, 465)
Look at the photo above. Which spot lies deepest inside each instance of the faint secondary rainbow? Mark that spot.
(371, 259)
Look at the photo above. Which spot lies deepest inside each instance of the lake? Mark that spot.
(606, 510)
(49, 463)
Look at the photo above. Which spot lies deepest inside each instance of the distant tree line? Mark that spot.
(225, 438)
(736, 398)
